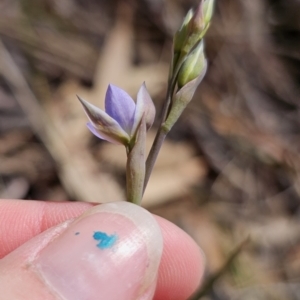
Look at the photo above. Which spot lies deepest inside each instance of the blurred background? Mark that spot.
(230, 168)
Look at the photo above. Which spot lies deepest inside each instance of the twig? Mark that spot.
(22, 92)
(207, 286)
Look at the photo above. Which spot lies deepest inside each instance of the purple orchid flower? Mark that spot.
(122, 116)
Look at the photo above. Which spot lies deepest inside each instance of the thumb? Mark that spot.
(111, 252)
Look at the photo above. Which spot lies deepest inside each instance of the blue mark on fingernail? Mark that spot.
(76, 233)
(106, 241)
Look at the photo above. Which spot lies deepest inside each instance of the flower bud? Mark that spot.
(193, 29)
(197, 25)
(208, 8)
(182, 99)
(193, 65)
(182, 33)
(202, 16)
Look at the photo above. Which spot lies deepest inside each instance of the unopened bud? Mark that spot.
(195, 29)
(193, 65)
(197, 24)
(182, 33)
(208, 8)
(182, 99)
(202, 16)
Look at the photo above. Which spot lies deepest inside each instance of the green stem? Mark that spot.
(135, 167)
(162, 131)
(150, 162)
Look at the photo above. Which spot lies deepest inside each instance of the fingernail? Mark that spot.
(111, 252)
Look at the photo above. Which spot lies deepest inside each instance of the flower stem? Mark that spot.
(150, 162)
(163, 130)
(135, 167)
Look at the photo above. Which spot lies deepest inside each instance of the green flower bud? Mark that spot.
(182, 33)
(182, 98)
(195, 29)
(197, 24)
(193, 65)
(208, 8)
(188, 58)
(202, 16)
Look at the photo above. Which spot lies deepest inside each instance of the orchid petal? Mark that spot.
(120, 106)
(101, 135)
(144, 106)
(104, 124)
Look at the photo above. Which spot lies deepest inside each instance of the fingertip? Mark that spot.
(21, 220)
(182, 264)
(112, 250)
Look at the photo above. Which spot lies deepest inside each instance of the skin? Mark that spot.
(182, 262)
